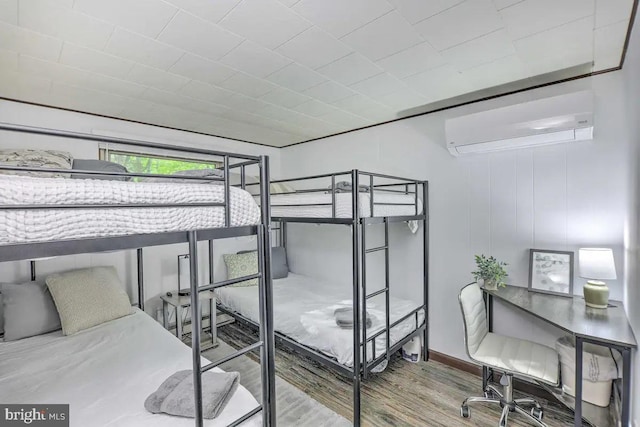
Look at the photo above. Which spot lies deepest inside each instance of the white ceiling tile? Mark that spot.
(501, 4)
(609, 42)
(277, 113)
(496, 73)
(340, 17)
(417, 10)
(356, 103)
(29, 42)
(114, 86)
(51, 18)
(350, 69)
(329, 92)
(611, 11)
(288, 3)
(163, 97)
(439, 83)
(403, 99)
(296, 77)
(461, 23)
(414, 60)
(559, 48)
(142, 49)
(247, 85)
(52, 70)
(17, 86)
(480, 50)
(205, 92)
(284, 97)
(379, 85)
(314, 48)
(243, 103)
(95, 61)
(348, 120)
(153, 77)
(532, 16)
(385, 36)
(202, 69)
(83, 99)
(254, 59)
(314, 108)
(8, 60)
(212, 11)
(266, 22)
(9, 11)
(146, 17)
(198, 36)
(377, 113)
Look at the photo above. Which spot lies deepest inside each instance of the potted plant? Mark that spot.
(491, 271)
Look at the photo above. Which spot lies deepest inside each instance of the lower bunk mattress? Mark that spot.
(303, 309)
(105, 374)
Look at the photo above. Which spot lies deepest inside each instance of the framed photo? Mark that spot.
(551, 272)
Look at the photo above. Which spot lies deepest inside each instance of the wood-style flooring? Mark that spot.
(405, 394)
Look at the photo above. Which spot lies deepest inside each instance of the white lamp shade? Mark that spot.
(597, 263)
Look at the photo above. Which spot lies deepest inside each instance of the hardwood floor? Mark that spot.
(405, 394)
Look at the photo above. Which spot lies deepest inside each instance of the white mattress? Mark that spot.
(309, 208)
(303, 310)
(105, 373)
(18, 226)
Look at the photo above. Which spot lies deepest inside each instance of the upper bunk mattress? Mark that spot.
(303, 309)
(105, 374)
(22, 226)
(318, 205)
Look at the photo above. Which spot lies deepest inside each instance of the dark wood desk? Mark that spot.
(608, 327)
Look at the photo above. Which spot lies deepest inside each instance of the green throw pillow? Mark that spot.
(239, 265)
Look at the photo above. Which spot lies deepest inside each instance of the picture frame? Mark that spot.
(551, 272)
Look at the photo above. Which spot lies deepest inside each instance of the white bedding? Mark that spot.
(303, 310)
(309, 208)
(105, 373)
(19, 226)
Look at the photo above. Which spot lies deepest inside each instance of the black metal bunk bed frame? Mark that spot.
(361, 367)
(31, 251)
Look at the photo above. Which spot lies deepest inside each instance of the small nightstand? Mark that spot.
(180, 302)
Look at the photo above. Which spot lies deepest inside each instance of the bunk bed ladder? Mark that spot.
(384, 290)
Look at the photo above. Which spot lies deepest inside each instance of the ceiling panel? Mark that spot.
(283, 71)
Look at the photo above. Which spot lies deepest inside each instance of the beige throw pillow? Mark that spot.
(239, 265)
(88, 297)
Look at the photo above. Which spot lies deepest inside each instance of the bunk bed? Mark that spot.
(380, 200)
(47, 217)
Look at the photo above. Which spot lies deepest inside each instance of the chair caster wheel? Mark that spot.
(537, 413)
(488, 394)
(465, 412)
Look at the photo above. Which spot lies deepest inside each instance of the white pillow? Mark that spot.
(88, 297)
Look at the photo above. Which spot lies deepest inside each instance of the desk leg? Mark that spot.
(577, 420)
(179, 322)
(626, 386)
(165, 314)
(487, 372)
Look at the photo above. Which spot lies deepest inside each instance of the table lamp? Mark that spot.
(596, 264)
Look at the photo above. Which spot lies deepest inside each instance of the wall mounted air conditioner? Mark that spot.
(563, 118)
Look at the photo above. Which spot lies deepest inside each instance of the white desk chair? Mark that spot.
(511, 356)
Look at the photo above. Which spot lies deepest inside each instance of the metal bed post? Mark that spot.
(363, 286)
(227, 202)
(140, 266)
(266, 303)
(196, 327)
(425, 267)
(32, 265)
(211, 271)
(356, 297)
(387, 283)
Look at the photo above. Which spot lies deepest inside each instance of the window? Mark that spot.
(149, 163)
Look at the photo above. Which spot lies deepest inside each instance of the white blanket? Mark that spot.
(303, 309)
(18, 226)
(105, 373)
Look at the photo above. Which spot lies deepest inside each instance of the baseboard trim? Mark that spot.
(463, 365)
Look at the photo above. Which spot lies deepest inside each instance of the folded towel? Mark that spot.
(344, 318)
(175, 395)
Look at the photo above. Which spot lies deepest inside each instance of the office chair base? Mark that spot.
(493, 395)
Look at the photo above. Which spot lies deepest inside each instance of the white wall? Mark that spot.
(631, 85)
(558, 197)
(160, 262)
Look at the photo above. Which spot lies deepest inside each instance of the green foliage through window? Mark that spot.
(139, 163)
